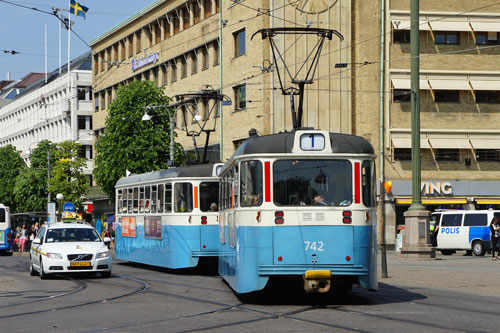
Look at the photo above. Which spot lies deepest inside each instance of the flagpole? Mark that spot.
(45, 52)
(69, 48)
(60, 23)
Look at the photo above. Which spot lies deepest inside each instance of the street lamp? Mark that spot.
(59, 198)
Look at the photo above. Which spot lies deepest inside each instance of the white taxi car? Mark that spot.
(69, 247)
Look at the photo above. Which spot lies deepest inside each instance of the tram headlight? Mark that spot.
(54, 255)
(103, 255)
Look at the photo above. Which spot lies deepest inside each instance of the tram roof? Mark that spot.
(199, 170)
(283, 143)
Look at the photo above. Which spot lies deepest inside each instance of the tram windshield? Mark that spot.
(312, 182)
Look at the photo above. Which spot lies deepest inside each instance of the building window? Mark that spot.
(402, 154)
(154, 73)
(157, 31)
(102, 102)
(447, 154)
(84, 93)
(196, 14)
(84, 122)
(85, 152)
(216, 52)
(130, 45)
(401, 36)
(240, 97)
(447, 37)
(487, 155)
(487, 96)
(173, 70)
(166, 28)
(447, 96)
(204, 55)
(115, 52)
(207, 7)
(194, 62)
(164, 75)
(176, 20)
(183, 67)
(122, 50)
(401, 95)
(96, 64)
(96, 101)
(239, 43)
(149, 35)
(487, 38)
(138, 37)
(109, 96)
(185, 19)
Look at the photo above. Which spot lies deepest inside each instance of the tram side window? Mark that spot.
(368, 181)
(119, 200)
(154, 195)
(130, 200)
(475, 220)
(141, 199)
(2, 215)
(147, 199)
(451, 220)
(312, 182)
(136, 199)
(251, 183)
(184, 197)
(168, 198)
(209, 196)
(160, 201)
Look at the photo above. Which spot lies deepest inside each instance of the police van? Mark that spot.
(464, 230)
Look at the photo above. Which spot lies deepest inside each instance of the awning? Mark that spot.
(405, 142)
(488, 201)
(450, 143)
(406, 25)
(442, 201)
(485, 142)
(406, 84)
(449, 85)
(441, 25)
(485, 85)
(485, 26)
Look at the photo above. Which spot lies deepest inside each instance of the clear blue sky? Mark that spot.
(23, 30)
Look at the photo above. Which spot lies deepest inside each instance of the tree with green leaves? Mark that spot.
(67, 175)
(128, 143)
(31, 186)
(11, 164)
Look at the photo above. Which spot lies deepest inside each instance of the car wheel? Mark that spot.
(43, 276)
(106, 275)
(478, 248)
(32, 270)
(447, 252)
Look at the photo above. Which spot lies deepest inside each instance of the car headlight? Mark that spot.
(103, 255)
(54, 255)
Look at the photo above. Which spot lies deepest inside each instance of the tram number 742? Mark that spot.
(313, 246)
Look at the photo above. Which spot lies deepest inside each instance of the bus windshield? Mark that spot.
(312, 183)
(2, 215)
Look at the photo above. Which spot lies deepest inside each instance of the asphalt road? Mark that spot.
(456, 294)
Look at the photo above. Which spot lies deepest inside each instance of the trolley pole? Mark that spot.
(416, 236)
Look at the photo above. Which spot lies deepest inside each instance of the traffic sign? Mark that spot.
(68, 207)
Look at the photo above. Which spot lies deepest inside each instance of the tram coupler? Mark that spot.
(317, 281)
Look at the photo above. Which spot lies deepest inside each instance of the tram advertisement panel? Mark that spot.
(128, 226)
(152, 227)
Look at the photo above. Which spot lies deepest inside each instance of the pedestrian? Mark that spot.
(22, 239)
(17, 238)
(495, 234)
(31, 237)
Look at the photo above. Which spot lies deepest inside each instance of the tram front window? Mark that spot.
(312, 182)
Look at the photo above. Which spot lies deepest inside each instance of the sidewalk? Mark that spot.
(457, 272)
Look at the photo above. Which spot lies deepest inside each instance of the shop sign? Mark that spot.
(436, 188)
(145, 60)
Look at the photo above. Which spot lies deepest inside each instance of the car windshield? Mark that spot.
(72, 235)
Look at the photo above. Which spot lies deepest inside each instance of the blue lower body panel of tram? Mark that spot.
(180, 246)
(259, 253)
(6, 243)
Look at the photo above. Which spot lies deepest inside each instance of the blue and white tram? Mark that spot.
(6, 232)
(168, 218)
(301, 204)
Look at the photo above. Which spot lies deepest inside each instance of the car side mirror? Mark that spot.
(37, 241)
(107, 240)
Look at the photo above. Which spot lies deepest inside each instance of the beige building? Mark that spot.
(460, 105)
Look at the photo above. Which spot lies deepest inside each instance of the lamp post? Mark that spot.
(59, 198)
(171, 118)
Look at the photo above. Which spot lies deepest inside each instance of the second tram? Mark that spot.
(299, 204)
(168, 218)
(6, 232)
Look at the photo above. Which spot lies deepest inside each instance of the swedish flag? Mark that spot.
(77, 9)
